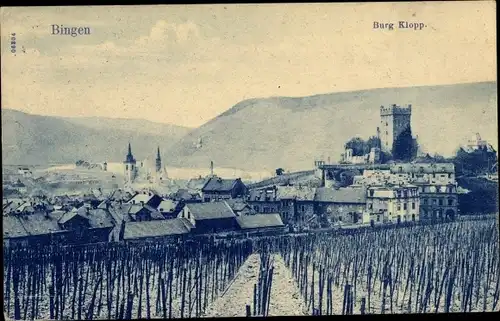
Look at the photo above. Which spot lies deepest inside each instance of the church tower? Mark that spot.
(130, 166)
(394, 120)
(158, 161)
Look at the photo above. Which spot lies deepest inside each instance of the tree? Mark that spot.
(279, 171)
(372, 142)
(358, 146)
(405, 146)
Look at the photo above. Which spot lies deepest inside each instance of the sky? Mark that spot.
(186, 64)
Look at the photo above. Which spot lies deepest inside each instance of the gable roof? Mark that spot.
(138, 230)
(210, 211)
(259, 221)
(39, 224)
(342, 195)
(217, 184)
(97, 218)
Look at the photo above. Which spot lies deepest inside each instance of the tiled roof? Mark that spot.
(138, 230)
(208, 211)
(298, 193)
(217, 184)
(12, 227)
(39, 223)
(259, 221)
(342, 195)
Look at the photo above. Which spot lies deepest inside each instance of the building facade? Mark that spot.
(393, 203)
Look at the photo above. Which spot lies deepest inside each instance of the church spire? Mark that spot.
(158, 160)
(130, 157)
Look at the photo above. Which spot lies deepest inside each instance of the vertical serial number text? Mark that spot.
(13, 43)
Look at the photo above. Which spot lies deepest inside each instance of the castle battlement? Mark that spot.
(395, 110)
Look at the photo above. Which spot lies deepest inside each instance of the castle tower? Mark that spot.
(130, 166)
(158, 161)
(394, 120)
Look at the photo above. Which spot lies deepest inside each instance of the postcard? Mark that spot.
(249, 160)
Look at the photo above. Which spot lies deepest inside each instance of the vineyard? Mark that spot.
(451, 267)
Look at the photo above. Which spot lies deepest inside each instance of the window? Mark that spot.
(189, 215)
(370, 206)
(440, 202)
(256, 208)
(378, 218)
(399, 207)
(302, 208)
(404, 206)
(413, 205)
(340, 218)
(450, 202)
(434, 201)
(449, 175)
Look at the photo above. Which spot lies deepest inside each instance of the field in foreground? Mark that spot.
(450, 267)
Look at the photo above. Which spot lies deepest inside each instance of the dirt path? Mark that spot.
(240, 292)
(285, 296)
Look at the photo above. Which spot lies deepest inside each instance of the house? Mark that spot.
(216, 189)
(264, 200)
(210, 217)
(170, 208)
(393, 203)
(43, 228)
(185, 196)
(239, 206)
(160, 230)
(433, 173)
(261, 223)
(343, 205)
(146, 198)
(438, 201)
(297, 203)
(120, 195)
(87, 225)
(145, 212)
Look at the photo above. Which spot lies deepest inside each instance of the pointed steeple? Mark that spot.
(158, 160)
(130, 157)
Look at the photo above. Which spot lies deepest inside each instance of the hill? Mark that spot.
(290, 132)
(32, 139)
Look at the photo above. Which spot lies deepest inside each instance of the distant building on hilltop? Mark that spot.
(394, 120)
